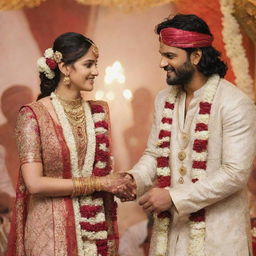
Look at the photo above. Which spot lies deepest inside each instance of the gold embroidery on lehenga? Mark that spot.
(46, 219)
(19, 226)
(27, 136)
(52, 143)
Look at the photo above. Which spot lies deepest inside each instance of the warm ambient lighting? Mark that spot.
(127, 94)
(110, 95)
(114, 73)
(99, 95)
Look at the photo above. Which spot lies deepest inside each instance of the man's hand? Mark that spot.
(156, 200)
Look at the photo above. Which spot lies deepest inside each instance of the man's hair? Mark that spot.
(210, 62)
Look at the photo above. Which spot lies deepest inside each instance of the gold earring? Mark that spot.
(66, 81)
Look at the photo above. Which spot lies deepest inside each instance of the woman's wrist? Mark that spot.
(105, 183)
(86, 186)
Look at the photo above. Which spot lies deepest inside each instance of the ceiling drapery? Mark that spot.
(18, 4)
(121, 4)
(125, 4)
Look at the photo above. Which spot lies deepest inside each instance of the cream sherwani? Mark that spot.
(231, 148)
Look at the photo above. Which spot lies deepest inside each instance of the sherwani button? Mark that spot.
(182, 155)
(183, 170)
(181, 180)
(185, 139)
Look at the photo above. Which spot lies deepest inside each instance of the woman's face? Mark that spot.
(83, 72)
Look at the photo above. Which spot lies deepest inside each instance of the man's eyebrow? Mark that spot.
(167, 53)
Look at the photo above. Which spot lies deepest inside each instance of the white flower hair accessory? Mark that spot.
(48, 63)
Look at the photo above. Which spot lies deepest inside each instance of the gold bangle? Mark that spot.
(85, 186)
(89, 186)
(75, 187)
(98, 186)
(79, 187)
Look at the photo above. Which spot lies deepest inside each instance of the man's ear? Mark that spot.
(196, 56)
(64, 69)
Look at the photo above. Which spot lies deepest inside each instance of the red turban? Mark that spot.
(184, 39)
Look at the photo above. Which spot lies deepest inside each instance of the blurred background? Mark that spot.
(129, 76)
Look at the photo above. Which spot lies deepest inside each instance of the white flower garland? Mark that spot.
(197, 229)
(234, 47)
(85, 248)
(162, 224)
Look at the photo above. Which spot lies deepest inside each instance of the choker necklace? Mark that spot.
(68, 101)
(73, 110)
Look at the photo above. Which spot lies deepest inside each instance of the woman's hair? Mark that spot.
(210, 62)
(72, 46)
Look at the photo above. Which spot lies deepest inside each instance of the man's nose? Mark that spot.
(163, 62)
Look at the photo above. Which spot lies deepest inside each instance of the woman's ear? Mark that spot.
(196, 56)
(64, 69)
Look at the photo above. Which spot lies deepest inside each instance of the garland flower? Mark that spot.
(199, 164)
(49, 62)
(91, 226)
(234, 47)
(162, 220)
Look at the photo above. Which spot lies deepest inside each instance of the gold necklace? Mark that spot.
(73, 110)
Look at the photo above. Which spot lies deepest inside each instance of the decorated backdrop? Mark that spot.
(129, 69)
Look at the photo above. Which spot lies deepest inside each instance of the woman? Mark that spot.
(62, 207)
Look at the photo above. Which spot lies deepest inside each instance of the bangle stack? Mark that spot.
(86, 186)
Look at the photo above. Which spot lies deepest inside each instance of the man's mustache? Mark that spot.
(168, 68)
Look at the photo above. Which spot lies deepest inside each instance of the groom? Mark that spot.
(194, 171)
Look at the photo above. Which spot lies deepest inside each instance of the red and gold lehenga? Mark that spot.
(46, 225)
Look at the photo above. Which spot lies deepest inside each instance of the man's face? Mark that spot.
(176, 62)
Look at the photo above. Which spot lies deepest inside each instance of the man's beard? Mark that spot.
(183, 74)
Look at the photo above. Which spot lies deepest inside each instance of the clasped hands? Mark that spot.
(123, 186)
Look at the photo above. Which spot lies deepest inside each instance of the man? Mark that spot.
(199, 151)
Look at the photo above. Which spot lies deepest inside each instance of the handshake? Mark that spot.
(121, 185)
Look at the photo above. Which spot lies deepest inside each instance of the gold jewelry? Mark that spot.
(74, 110)
(66, 80)
(95, 50)
(57, 56)
(78, 188)
(85, 186)
(98, 185)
